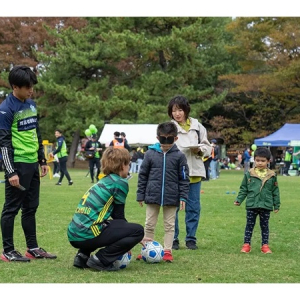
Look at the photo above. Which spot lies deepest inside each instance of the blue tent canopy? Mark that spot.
(287, 135)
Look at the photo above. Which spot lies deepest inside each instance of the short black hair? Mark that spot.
(123, 134)
(167, 128)
(180, 102)
(22, 76)
(59, 130)
(117, 133)
(262, 152)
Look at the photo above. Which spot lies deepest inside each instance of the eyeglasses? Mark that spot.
(166, 139)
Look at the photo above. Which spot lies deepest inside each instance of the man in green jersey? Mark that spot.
(94, 147)
(99, 220)
(23, 154)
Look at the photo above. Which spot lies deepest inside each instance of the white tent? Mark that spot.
(136, 134)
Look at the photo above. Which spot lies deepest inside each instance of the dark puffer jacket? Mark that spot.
(163, 177)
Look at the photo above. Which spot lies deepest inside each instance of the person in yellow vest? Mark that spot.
(288, 157)
(62, 155)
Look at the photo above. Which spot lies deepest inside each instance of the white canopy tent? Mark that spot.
(136, 134)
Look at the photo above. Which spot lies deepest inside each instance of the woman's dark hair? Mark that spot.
(182, 103)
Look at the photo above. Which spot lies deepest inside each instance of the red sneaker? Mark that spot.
(246, 248)
(39, 253)
(168, 257)
(265, 249)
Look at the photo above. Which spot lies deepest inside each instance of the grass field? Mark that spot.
(220, 237)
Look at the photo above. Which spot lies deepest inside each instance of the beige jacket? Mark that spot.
(186, 139)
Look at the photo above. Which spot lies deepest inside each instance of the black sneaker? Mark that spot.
(175, 245)
(70, 182)
(191, 245)
(80, 261)
(14, 256)
(39, 253)
(58, 183)
(94, 263)
(92, 181)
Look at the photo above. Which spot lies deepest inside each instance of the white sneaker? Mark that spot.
(56, 175)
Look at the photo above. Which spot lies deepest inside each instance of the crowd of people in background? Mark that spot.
(213, 163)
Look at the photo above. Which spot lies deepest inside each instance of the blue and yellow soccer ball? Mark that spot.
(123, 261)
(153, 252)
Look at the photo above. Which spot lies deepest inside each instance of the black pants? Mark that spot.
(287, 165)
(94, 162)
(115, 240)
(55, 167)
(264, 216)
(27, 201)
(206, 165)
(63, 168)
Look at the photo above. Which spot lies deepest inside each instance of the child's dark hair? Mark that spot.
(58, 130)
(117, 133)
(180, 102)
(262, 152)
(22, 76)
(167, 128)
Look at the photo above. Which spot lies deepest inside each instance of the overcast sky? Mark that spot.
(216, 8)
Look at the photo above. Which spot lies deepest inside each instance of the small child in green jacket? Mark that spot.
(260, 186)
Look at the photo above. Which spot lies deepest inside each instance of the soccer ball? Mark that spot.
(153, 252)
(123, 261)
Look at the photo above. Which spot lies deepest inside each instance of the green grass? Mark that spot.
(220, 237)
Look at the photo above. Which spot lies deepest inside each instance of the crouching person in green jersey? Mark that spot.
(99, 219)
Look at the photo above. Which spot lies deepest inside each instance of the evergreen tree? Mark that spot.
(125, 70)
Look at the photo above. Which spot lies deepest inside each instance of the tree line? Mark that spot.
(240, 75)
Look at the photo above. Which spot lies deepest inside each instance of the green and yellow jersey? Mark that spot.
(96, 206)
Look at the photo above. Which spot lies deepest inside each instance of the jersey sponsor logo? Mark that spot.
(27, 124)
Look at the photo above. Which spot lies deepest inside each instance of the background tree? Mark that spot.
(125, 70)
(22, 38)
(265, 95)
